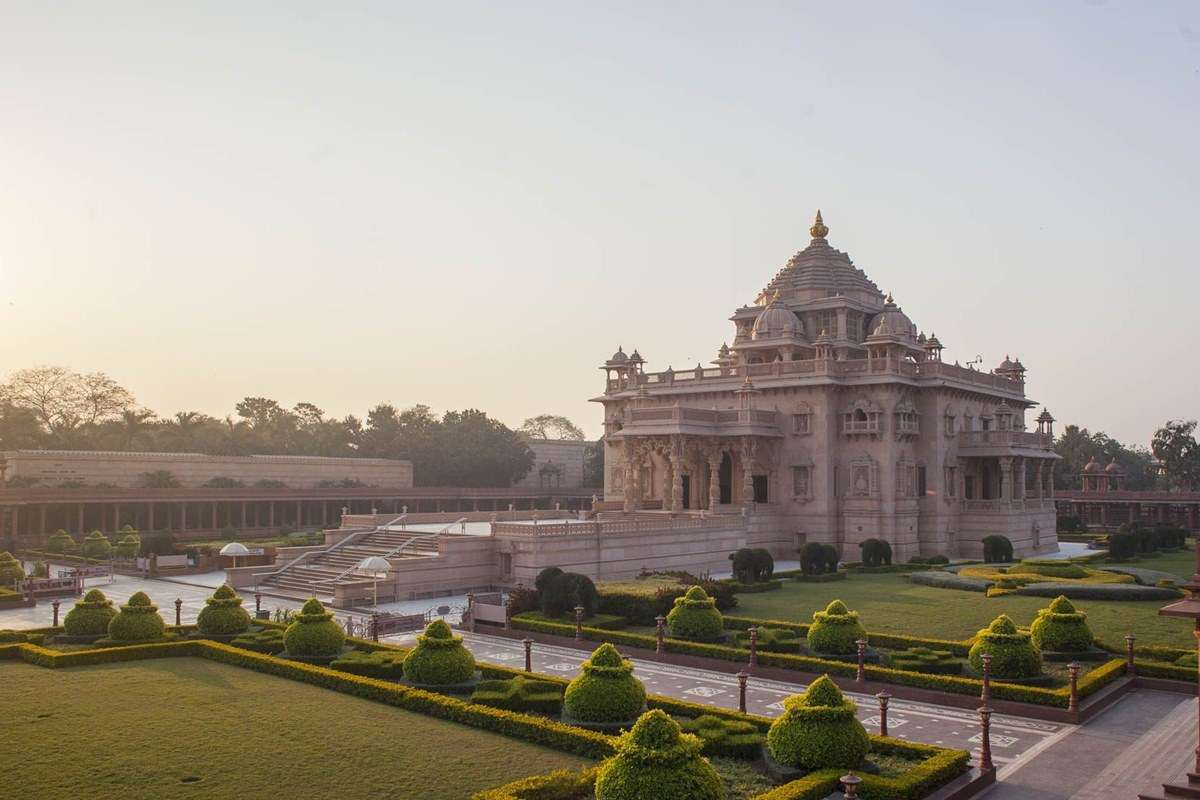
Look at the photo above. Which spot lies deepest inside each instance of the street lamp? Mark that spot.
(235, 549)
(376, 566)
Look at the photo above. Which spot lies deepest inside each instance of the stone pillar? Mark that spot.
(116, 517)
(747, 474)
(80, 528)
(1103, 514)
(630, 472)
(299, 515)
(714, 482)
(1006, 474)
(183, 517)
(150, 516)
(1021, 478)
(676, 484)
(42, 519)
(1050, 481)
(271, 514)
(1041, 486)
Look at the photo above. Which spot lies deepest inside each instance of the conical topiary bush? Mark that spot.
(138, 621)
(96, 545)
(313, 632)
(129, 545)
(439, 659)
(655, 760)
(605, 690)
(1013, 653)
(695, 617)
(1061, 628)
(223, 614)
(60, 542)
(818, 730)
(11, 570)
(90, 616)
(835, 630)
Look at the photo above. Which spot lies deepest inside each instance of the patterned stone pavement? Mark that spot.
(1014, 739)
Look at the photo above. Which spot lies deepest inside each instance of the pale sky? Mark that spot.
(472, 205)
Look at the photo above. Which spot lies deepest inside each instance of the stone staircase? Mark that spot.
(1191, 789)
(316, 574)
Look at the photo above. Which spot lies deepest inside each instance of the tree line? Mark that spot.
(50, 407)
(1172, 462)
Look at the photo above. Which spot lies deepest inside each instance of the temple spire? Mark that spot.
(819, 229)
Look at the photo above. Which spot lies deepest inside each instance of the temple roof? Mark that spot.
(822, 268)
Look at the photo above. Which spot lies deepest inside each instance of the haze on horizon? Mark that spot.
(471, 205)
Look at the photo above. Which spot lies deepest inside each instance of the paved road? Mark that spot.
(1014, 739)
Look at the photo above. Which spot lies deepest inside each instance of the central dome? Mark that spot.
(822, 271)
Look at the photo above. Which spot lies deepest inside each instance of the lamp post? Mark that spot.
(742, 677)
(883, 698)
(528, 654)
(851, 782)
(985, 745)
(233, 550)
(1073, 703)
(862, 659)
(660, 634)
(375, 566)
(985, 694)
(579, 623)
(753, 646)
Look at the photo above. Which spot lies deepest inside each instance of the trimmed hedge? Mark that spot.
(605, 690)
(565, 591)
(11, 570)
(96, 545)
(775, 640)
(604, 621)
(439, 659)
(313, 632)
(836, 630)
(1061, 629)
(520, 694)
(138, 621)
(927, 660)
(734, 738)
(948, 580)
(655, 759)
(223, 613)
(1099, 591)
(876, 552)
(818, 730)
(382, 664)
(90, 616)
(1013, 653)
(60, 542)
(695, 617)
(268, 641)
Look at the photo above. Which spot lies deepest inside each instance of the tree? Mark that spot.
(19, 427)
(135, 424)
(63, 400)
(551, 426)
(1175, 446)
(159, 479)
(1077, 447)
(593, 464)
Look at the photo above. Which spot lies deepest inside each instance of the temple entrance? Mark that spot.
(687, 491)
(725, 476)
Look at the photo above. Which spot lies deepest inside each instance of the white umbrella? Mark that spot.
(375, 565)
(235, 549)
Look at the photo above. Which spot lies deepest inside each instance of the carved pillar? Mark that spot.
(1041, 483)
(747, 473)
(1050, 480)
(676, 484)
(1020, 482)
(1006, 475)
(714, 481)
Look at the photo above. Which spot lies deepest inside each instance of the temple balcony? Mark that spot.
(1006, 443)
(997, 506)
(700, 422)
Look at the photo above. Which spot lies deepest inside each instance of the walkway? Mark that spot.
(1014, 739)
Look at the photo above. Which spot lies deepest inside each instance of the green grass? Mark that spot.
(890, 604)
(142, 728)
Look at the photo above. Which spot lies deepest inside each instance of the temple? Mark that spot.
(832, 418)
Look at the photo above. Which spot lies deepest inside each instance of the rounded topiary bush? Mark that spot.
(60, 542)
(1061, 629)
(818, 730)
(1013, 653)
(138, 621)
(743, 565)
(764, 564)
(96, 545)
(695, 617)
(655, 760)
(876, 552)
(605, 690)
(997, 549)
(90, 616)
(313, 632)
(129, 545)
(223, 614)
(564, 592)
(812, 558)
(11, 570)
(439, 659)
(835, 630)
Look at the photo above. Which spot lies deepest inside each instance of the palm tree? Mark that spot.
(134, 423)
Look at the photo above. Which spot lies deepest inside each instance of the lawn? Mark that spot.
(188, 728)
(891, 604)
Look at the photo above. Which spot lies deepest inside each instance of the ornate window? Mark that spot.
(802, 482)
(908, 421)
(864, 477)
(950, 422)
(951, 479)
(802, 420)
(905, 478)
(861, 417)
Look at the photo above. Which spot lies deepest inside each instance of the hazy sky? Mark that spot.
(474, 204)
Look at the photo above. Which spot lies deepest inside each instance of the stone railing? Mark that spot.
(1009, 506)
(1041, 441)
(705, 416)
(639, 524)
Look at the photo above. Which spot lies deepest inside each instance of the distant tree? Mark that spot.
(158, 479)
(63, 400)
(19, 427)
(1174, 444)
(1077, 447)
(593, 464)
(223, 482)
(135, 425)
(551, 426)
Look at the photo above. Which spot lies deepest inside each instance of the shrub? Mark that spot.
(1072, 571)
(545, 576)
(522, 599)
(268, 641)
(313, 632)
(1062, 629)
(11, 570)
(743, 565)
(832, 557)
(223, 613)
(605, 690)
(520, 694)
(40, 570)
(876, 552)
(656, 760)
(129, 545)
(772, 640)
(1170, 535)
(96, 545)
(381, 664)
(997, 549)
(835, 630)
(725, 737)
(439, 659)
(90, 616)
(138, 621)
(1102, 591)
(813, 560)
(818, 730)
(927, 660)
(60, 542)
(1013, 653)
(935, 560)
(764, 565)
(567, 590)
(160, 543)
(695, 617)
(1069, 524)
(1122, 546)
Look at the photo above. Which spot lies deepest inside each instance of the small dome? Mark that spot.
(775, 321)
(893, 322)
(1113, 468)
(636, 357)
(1092, 466)
(619, 356)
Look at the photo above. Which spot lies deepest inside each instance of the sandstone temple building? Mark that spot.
(830, 417)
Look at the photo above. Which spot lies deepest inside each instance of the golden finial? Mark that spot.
(890, 300)
(775, 297)
(819, 230)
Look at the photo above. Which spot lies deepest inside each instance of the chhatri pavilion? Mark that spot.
(832, 418)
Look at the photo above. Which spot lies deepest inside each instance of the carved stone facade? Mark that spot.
(831, 418)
